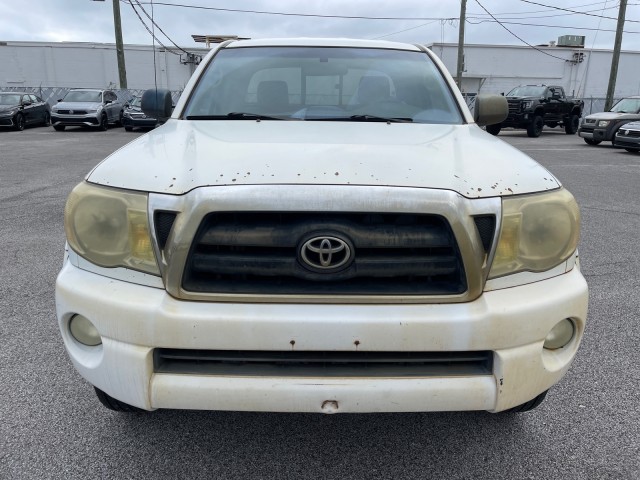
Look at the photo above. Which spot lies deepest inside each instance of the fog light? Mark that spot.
(560, 335)
(84, 331)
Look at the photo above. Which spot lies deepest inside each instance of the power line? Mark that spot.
(573, 27)
(405, 30)
(575, 11)
(149, 30)
(288, 14)
(523, 41)
(158, 26)
(548, 16)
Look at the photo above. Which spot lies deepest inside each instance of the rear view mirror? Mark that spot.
(156, 103)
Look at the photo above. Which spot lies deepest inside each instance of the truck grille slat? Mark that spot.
(322, 364)
(261, 253)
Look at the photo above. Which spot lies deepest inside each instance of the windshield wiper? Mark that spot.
(234, 116)
(363, 118)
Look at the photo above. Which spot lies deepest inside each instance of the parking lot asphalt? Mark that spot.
(52, 425)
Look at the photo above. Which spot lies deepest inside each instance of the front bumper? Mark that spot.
(597, 134)
(134, 320)
(88, 120)
(139, 122)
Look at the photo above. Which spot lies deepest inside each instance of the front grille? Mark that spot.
(588, 128)
(75, 112)
(262, 253)
(514, 107)
(322, 364)
(590, 120)
(630, 133)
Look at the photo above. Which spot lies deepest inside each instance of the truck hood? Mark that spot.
(611, 116)
(183, 155)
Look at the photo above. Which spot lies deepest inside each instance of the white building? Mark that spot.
(583, 72)
(52, 67)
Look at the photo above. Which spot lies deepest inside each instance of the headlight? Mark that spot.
(126, 114)
(538, 233)
(8, 113)
(54, 108)
(110, 227)
(603, 123)
(527, 104)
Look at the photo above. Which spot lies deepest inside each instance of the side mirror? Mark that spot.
(59, 100)
(156, 103)
(490, 109)
(107, 102)
(26, 104)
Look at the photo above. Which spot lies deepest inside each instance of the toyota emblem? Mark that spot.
(326, 253)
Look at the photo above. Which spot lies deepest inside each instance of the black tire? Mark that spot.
(534, 129)
(494, 129)
(116, 405)
(591, 141)
(104, 122)
(46, 119)
(572, 124)
(632, 150)
(128, 129)
(18, 122)
(528, 406)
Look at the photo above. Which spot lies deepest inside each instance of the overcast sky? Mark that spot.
(423, 21)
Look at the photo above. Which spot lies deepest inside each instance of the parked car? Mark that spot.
(87, 108)
(628, 137)
(17, 110)
(603, 126)
(357, 245)
(134, 117)
(533, 107)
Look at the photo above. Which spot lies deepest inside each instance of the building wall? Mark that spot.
(497, 69)
(91, 65)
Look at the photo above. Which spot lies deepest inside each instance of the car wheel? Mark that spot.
(494, 129)
(591, 141)
(128, 129)
(571, 125)
(632, 150)
(104, 122)
(534, 129)
(115, 405)
(46, 120)
(18, 122)
(528, 406)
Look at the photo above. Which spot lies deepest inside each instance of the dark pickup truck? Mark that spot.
(533, 106)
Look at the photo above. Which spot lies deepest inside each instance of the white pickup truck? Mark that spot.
(321, 226)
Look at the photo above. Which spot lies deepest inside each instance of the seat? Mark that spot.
(273, 96)
(373, 89)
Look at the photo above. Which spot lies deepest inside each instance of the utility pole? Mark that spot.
(122, 71)
(616, 56)
(463, 12)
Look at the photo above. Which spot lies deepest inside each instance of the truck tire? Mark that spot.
(591, 141)
(115, 405)
(534, 129)
(494, 129)
(571, 124)
(528, 406)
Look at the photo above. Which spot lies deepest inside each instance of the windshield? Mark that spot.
(9, 99)
(135, 101)
(83, 96)
(627, 105)
(527, 91)
(323, 83)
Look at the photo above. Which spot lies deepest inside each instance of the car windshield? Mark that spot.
(135, 101)
(83, 96)
(323, 83)
(9, 99)
(527, 91)
(627, 105)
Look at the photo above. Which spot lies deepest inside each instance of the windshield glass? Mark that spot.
(627, 105)
(527, 91)
(135, 101)
(83, 96)
(9, 99)
(323, 83)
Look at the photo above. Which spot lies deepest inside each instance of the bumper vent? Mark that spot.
(322, 364)
(486, 225)
(283, 253)
(163, 222)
